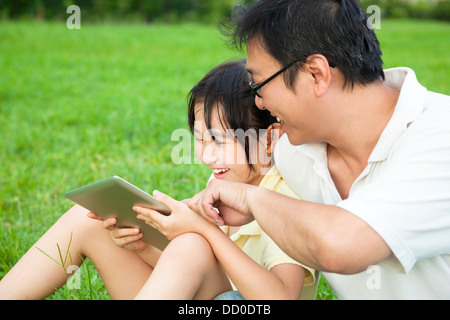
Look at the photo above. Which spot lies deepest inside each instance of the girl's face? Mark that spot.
(220, 150)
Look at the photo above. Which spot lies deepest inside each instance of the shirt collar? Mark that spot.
(250, 229)
(316, 151)
(409, 106)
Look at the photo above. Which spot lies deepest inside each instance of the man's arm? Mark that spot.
(324, 237)
(283, 281)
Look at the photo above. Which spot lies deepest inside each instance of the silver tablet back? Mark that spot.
(115, 197)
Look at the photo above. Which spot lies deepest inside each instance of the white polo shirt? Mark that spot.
(403, 194)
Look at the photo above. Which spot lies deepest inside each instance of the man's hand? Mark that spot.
(224, 202)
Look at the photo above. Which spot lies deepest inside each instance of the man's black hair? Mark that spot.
(295, 29)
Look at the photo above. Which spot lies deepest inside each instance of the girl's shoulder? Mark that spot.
(274, 181)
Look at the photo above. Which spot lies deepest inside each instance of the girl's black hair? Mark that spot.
(295, 29)
(226, 86)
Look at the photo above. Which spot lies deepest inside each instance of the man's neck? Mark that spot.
(364, 113)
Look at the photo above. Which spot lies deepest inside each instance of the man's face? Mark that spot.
(293, 108)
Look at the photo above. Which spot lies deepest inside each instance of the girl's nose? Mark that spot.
(209, 155)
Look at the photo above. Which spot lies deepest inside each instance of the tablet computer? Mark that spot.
(115, 197)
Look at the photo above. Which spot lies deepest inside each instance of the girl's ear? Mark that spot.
(273, 134)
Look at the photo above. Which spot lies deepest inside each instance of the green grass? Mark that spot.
(421, 45)
(80, 105)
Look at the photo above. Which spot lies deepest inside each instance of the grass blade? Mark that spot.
(68, 248)
(59, 264)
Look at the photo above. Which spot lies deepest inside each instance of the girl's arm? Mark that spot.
(253, 281)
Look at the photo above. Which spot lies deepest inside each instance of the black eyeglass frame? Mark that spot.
(257, 87)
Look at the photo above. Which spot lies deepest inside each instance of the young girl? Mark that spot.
(230, 138)
(201, 259)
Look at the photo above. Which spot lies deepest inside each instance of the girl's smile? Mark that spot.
(220, 173)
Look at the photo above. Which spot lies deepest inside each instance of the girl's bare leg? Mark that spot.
(36, 276)
(187, 269)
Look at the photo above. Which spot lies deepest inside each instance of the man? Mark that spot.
(367, 150)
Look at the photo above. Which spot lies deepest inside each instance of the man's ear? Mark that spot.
(317, 65)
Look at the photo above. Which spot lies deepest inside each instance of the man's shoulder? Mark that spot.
(437, 100)
(436, 112)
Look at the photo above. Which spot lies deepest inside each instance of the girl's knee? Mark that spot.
(190, 245)
(80, 225)
(74, 214)
(77, 216)
(190, 241)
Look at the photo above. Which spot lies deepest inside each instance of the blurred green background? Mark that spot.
(206, 11)
(77, 106)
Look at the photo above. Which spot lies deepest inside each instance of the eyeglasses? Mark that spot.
(256, 88)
